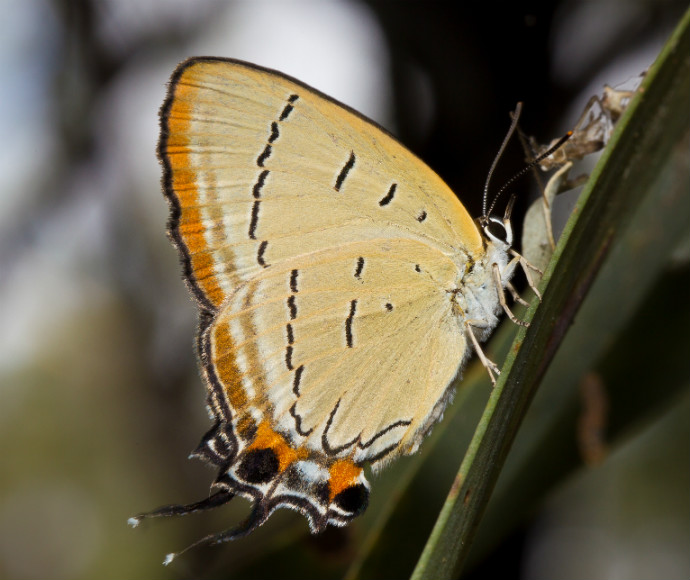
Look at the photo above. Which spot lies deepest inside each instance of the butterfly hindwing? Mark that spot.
(320, 347)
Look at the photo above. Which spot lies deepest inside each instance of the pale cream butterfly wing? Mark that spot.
(339, 280)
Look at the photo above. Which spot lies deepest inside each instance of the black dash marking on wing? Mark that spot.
(324, 437)
(381, 454)
(296, 380)
(292, 306)
(288, 108)
(260, 254)
(359, 268)
(417, 268)
(260, 160)
(389, 196)
(389, 306)
(348, 323)
(264, 155)
(254, 220)
(421, 217)
(401, 423)
(274, 132)
(288, 357)
(298, 421)
(288, 328)
(344, 171)
(256, 191)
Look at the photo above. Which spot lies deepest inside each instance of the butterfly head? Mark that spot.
(499, 231)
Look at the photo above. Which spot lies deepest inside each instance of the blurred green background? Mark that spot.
(100, 398)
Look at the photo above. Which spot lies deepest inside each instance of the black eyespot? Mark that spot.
(258, 466)
(353, 499)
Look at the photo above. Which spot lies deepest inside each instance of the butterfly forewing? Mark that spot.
(271, 170)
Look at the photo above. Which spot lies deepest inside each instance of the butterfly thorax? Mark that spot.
(477, 295)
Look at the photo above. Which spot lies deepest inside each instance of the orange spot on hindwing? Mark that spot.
(343, 475)
(267, 438)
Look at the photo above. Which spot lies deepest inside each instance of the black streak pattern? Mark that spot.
(324, 437)
(256, 191)
(274, 132)
(348, 323)
(289, 349)
(288, 108)
(401, 423)
(389, 196)
(359, 268)
(344, 171)
(264, 155)
(291, 334)
(381, 454)
(298, 421)
(260, 254)
(297, 379)
(254, 220)
(293, 307)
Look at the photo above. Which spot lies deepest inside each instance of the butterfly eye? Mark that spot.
(498, 231)
(353, 499)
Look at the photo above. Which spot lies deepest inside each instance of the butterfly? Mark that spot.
(341, 286)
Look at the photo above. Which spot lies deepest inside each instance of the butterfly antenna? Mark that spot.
(254, 520)
(217, 499)
(515, 116)
(527, 167)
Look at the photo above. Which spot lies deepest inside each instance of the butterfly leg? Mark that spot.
(515, 295)
(526, 267)
(489, 365)
(502, 297)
